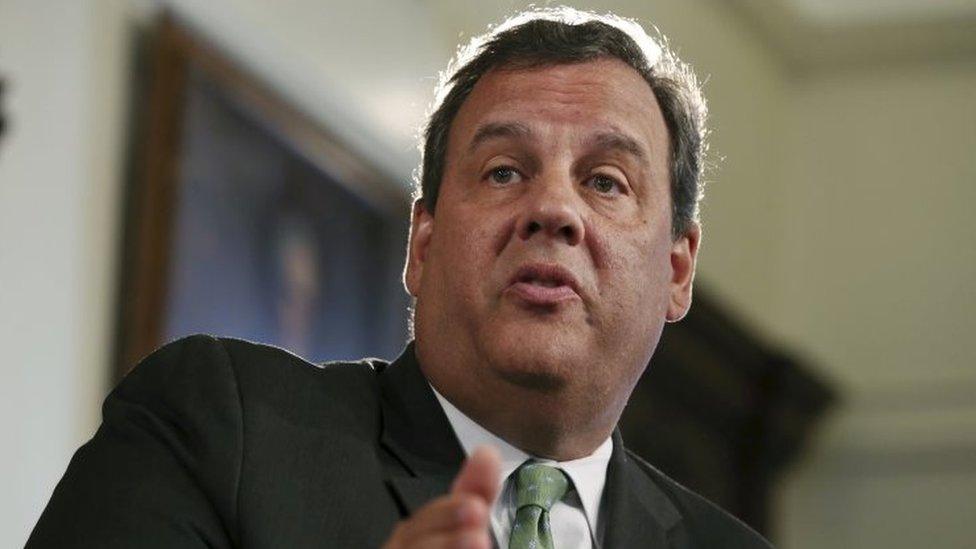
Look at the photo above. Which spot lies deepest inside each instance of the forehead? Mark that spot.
(590, 97)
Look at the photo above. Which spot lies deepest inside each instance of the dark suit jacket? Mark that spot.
(222, 443)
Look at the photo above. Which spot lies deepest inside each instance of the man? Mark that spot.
(554, 235)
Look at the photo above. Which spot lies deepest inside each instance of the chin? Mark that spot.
(536, 357)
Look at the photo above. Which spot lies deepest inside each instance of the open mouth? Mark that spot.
(542, 284)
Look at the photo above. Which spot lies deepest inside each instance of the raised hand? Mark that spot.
(459, 519)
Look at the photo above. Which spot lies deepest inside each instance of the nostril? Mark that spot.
(534, 227)
(568, 232)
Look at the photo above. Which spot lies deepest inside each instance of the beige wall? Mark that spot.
(880, 259)
(836, 224)
(879, 245)
(59, 188)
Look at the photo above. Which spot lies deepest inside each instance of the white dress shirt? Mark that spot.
(573, 520)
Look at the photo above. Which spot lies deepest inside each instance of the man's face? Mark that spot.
(550, 261)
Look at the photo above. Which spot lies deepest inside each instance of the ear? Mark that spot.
(684, 254)
(421, 229)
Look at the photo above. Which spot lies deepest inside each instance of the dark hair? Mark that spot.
(552, 36)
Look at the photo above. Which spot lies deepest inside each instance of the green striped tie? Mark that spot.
(537, 487)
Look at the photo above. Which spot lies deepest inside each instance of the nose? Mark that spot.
(551, 210)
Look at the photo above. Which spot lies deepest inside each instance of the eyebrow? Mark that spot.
(496, 130)
(607, 140)
(614, 140)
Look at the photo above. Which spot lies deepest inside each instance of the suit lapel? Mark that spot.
(417, 434)
(637, 512)
(426, 457)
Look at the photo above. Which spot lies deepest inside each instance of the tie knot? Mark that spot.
(540, 485)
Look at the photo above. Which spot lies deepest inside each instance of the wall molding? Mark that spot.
(807, 45)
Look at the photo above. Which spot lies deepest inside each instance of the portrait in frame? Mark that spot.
(246, 218)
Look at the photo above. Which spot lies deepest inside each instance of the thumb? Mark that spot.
(480, 475)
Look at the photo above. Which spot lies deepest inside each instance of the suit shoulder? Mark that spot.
(265, 367)
(193, 365)
(710, 525)
(204, 351)
(338, 398)
(205, 365)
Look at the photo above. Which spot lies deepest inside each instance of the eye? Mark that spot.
(604, 184)
(504, 175)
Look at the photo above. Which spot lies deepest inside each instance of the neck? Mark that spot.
(555, 422)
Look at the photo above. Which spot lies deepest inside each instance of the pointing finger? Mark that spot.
(480, 475)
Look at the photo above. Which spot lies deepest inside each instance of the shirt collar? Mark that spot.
(589, 473)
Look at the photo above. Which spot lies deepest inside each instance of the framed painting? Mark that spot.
(246, 218)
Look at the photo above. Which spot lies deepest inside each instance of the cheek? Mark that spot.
(640, 268)
(461, 250)
(637, 304)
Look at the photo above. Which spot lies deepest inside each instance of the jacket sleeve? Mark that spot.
(163, 468)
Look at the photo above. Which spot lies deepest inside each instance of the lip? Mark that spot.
(562, 285)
